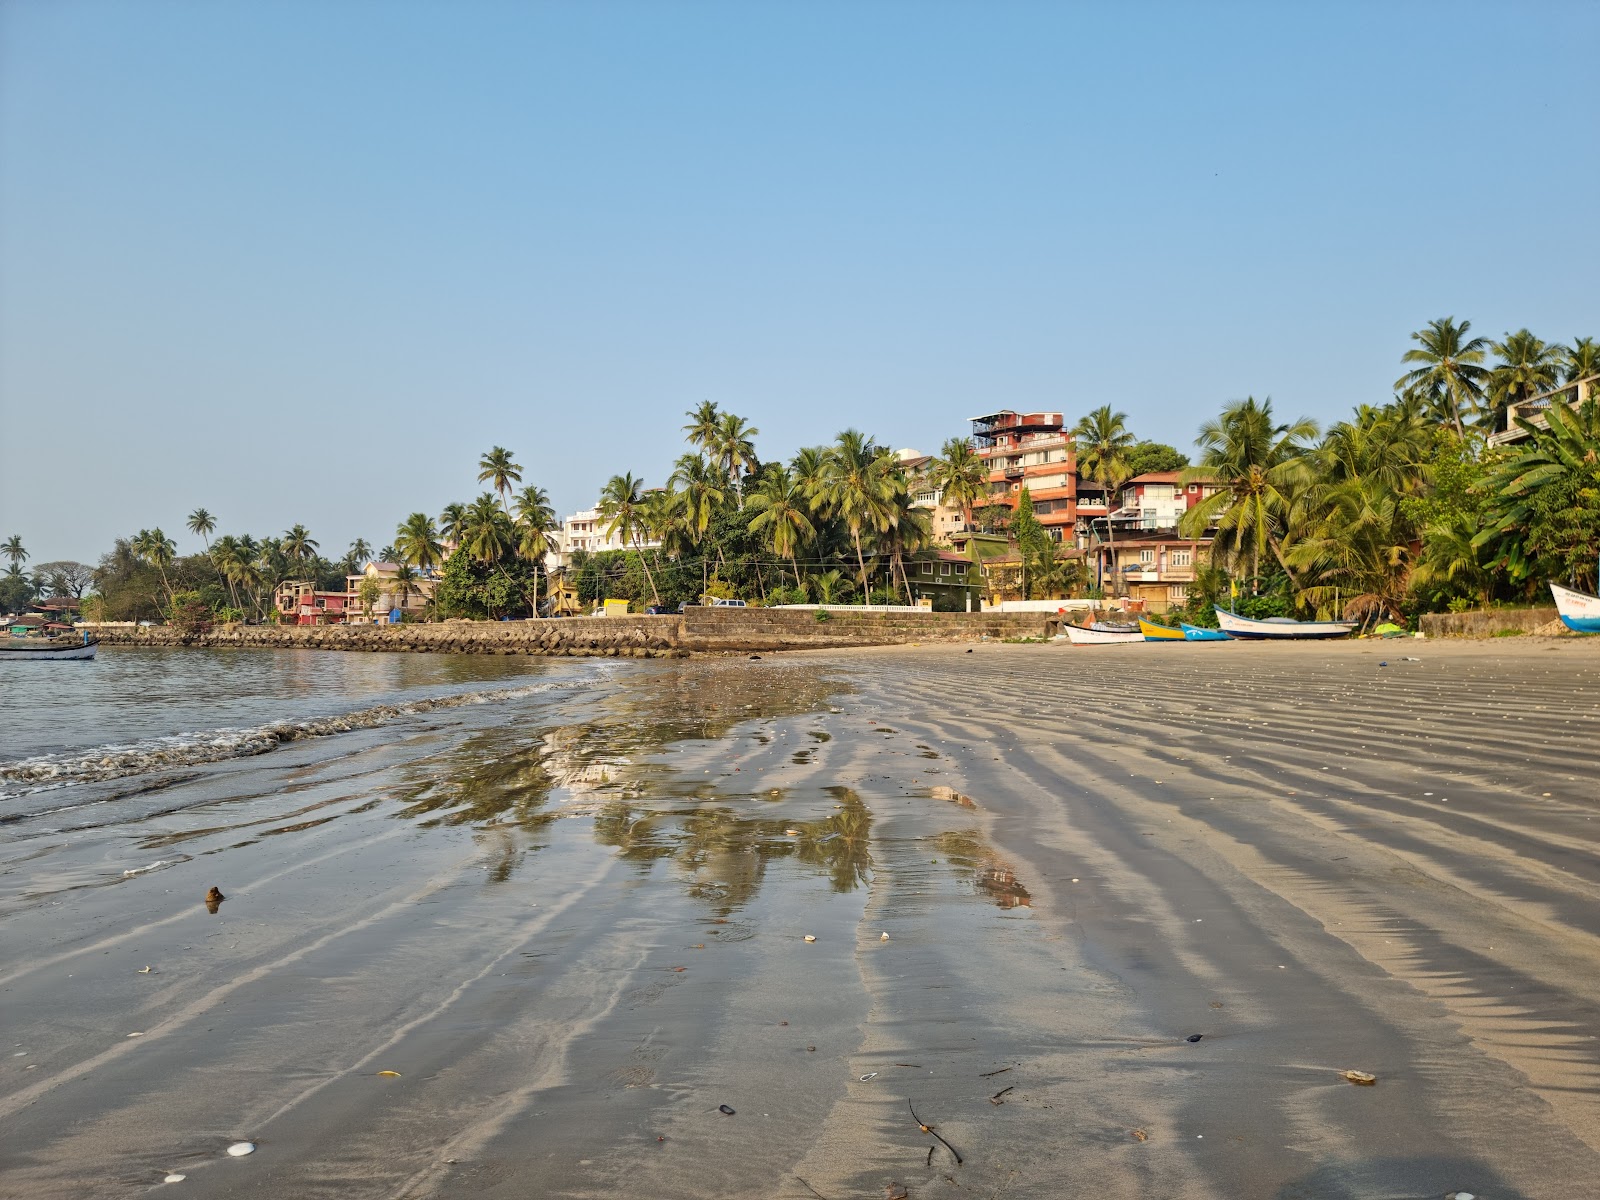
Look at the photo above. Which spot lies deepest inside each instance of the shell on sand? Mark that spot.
(240, 1149)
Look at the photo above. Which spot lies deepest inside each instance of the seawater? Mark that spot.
(134, 710)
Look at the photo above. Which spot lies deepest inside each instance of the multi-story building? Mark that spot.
(390, 597)
(1031, 450)
(299, 602)
(1158, 499)
(585, 530)
(1153, 566)
(1536, 409)
(947, 523)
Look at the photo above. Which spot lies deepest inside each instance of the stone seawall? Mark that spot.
(1488, 623)
(703, 630)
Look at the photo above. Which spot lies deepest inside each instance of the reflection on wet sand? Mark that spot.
(975, 861)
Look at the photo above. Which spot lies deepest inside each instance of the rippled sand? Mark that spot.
(575, 927)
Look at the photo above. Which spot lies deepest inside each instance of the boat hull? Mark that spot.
(1151, 632)
(1080, 636)
(1195, 633)
(1580, 612)
(1249, 627)
(23, 651)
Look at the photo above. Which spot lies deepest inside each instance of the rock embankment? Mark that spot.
(702, 630)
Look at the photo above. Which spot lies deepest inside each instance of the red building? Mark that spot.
(300, 603)
(1031, 450)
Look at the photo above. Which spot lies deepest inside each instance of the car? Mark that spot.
(660, 610)
(727, 604)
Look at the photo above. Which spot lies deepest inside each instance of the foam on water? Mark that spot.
(47, 771)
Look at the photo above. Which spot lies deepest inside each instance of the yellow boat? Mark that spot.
(1159, 633)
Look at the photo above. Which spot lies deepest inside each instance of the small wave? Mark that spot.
(216, 745)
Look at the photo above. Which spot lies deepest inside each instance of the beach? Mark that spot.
(542, 929)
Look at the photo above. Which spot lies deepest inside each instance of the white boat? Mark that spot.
(1580, 612)
(39, 649)
(1281, 628)
(1079, 636)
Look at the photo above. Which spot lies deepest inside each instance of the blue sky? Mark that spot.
(304, 262)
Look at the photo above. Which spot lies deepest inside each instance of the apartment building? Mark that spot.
(1035, 451)
(947, 523)
(585, 530)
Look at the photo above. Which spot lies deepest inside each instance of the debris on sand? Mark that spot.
(725, 1110)
(174, 1178)
(996, 1100)
(240, 1149)
(811, 937)
(1194, 1037)
(1139, 1135)
(929, 1130)
(389, 1074)
(1364, 1078)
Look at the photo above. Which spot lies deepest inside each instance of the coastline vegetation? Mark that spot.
(1403, 507)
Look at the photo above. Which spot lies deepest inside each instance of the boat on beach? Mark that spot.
(26, 644)
(1196, 633)
(1151, 632)
(1281, 628)
(1079, 636)
(1580, 612)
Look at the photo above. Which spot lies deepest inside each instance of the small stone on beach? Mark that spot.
(811, 937)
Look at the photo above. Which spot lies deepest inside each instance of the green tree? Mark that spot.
(417, 542)
(1102, 442)
(1527, 367)
(830, 586)
(496, 469)
(960, 476)
(1033, 543)
(299, 546)
(1145, 457)
(782, 515)
(535, 523)
(453, 523)
(16, 589)
(1581, 360)
(704, 430)
(357, 556)
(1449, 376)
(1256, 464)
(157, 549)
(486, 531)
(622, 509)
(858, 489)
(14, 551)
(202, 524)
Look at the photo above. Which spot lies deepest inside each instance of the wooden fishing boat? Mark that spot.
(1115, 626)
(1580, 612)
(1281, 628)
(1079, 636)
(1151, 632)
(1195, 633)
(30, 647)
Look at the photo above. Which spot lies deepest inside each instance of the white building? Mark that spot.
(585, 530)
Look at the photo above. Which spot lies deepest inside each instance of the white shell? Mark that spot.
(240, 1149)
(883, 937)
(811, 937)
(174, 1178)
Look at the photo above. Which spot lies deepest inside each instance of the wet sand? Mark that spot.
(577, 930)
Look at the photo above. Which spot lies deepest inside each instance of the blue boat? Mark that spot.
(1580, 612)
(1194, 633)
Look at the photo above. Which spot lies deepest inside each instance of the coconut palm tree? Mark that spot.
(782, 515)
(405, 582)
(829, 586)
(452, 523)
(360, 553)
(909, 529)
(1102, 443)
(736, 449)
(1256, 465)
(1449, 374)
(14, 551)
(417, 541)
(1581, 360)
(496, 469)
(201, 524)
(704, 427)
(224, 555)
(1527, 366)
(535, 522)
(157, 549)
(858, 489)
(704, 491)
(299, 546)
(960, 476)
(622, 508)
(486, 530)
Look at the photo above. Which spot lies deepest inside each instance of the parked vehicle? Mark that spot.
(727, 604)
(662, 610)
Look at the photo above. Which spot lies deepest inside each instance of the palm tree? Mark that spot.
(858, 489)
(736, 449)
(1527, 367)
(810, 468)
(704, 427)
(1256, 465)
(157, 549)
(703, 489)
(781, 514)
(453, 522)
(829, 586)
(418, 542)
(13, 550)
(960, 477)
(1582, 360)
(909, 530)
(486, 530)
(360, 552)
(497, 469)
(1102, 442)
(1450, 376)
(622, 508)
(405, 582)
(201, 524)
(299, 546)
(535, 522)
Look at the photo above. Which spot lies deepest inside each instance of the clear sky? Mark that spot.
(305, 261)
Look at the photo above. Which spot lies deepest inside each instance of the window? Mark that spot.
(944, 568)
(1178, 593)
(1181, 558)
(927, 568)
(1147, 556)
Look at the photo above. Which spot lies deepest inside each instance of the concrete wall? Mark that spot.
(1487, 623)
(705, 630)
